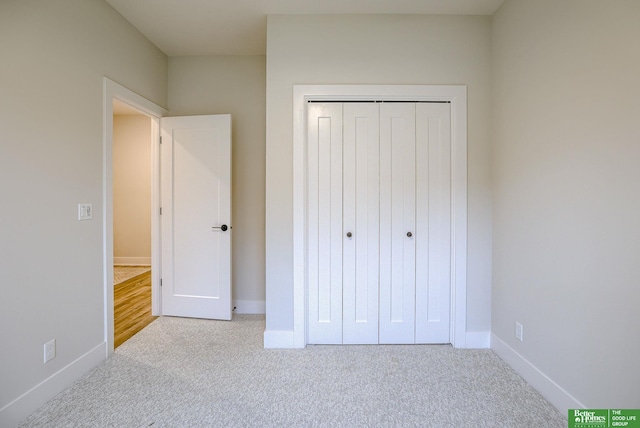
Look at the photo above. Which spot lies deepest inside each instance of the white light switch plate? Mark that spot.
(85, 211)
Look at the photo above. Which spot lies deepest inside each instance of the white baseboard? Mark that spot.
(274, 339)
(550, 390)
(249, 307)
(13, 413)
(478, 340)
(132, 261)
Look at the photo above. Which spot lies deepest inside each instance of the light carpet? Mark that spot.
(123, 273)
(196, 373)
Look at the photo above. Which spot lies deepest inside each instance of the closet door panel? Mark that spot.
(361, 220)
(324, 240)
(433, 228)
(397, 223)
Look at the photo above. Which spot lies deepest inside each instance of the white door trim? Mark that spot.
(111, 91)
(457, 96)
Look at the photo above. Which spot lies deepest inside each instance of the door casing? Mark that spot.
(457, 96)
(111, 91)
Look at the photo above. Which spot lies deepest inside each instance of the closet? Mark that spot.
(378, 222)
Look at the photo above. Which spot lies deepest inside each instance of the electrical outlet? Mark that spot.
(49, 350)
(519, 331)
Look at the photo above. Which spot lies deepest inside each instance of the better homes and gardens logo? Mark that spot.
(589, 418)
(603, 418)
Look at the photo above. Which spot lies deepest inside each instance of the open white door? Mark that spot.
(196, 216)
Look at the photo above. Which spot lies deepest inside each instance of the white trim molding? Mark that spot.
(550, 390)
(454, 94)
(36, 397)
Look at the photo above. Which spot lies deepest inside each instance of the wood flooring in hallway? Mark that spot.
(131, 307)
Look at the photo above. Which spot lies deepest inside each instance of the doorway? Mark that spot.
(142, 106)
(113, 91)
(132, 182)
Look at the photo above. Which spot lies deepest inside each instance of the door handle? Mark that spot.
(223, 228)
(409, 234)
(349, 234)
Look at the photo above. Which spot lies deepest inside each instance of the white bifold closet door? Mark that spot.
(324, 239)
(397, 222)
(379, 201)
(433, 223)
(361, 222)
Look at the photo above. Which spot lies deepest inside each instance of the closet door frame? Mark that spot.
(456, 95)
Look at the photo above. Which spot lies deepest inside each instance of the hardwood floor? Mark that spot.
(131, 307)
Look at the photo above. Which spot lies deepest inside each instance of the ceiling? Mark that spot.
(239, 27)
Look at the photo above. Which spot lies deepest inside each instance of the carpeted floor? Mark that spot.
(123, 273)
(196, 373)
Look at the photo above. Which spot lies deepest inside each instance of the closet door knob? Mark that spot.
(349, 234)
(409, 234)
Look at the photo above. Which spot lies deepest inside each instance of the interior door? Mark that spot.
(379, 222)
(433, 223)
(397, 222)
(324, 139)
(361, 212)
(196, 216)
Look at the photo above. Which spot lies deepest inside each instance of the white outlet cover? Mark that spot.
(519, 331)
(49, 350)
(85, 211)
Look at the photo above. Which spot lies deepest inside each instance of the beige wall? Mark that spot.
(54, 57)
(235, 85)
(375, 49)
(131, 189)
(566, 193)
